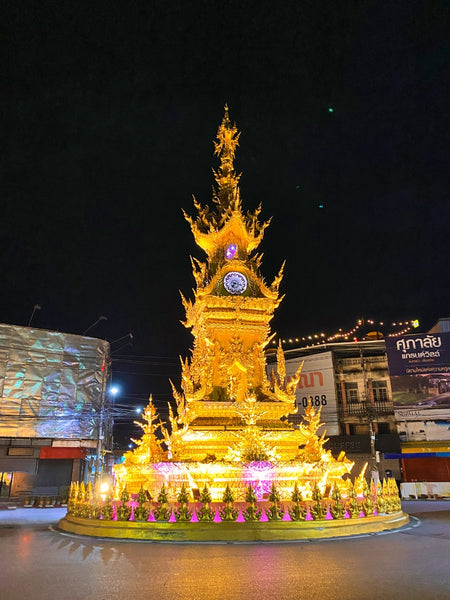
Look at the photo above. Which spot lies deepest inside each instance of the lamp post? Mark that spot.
(113, 391)
(101, 318)
(115, 349)
(35, 308)
(102, 430)
(100, 438)
(369, 415)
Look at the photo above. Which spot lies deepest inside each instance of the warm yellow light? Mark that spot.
(226, 366)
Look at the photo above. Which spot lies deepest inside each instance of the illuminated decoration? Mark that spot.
(357, 509)
(230, 420)
(149, 448)
(344, 336)
(231, 251)
(230, 456)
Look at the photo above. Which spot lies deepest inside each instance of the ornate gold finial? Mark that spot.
(225, 148)
(281, 365)
(148, 446)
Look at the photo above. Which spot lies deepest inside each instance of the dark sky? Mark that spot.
(109, 111)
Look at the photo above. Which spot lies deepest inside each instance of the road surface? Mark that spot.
(38, 562)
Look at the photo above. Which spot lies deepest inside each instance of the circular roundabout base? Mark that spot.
(269, 531)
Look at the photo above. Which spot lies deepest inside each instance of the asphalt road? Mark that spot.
(39, 562)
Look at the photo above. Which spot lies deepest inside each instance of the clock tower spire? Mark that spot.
(227, 195)
(226, 380)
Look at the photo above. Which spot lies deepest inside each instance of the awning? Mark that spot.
(51, 452)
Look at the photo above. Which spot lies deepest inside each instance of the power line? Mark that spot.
(167, 375)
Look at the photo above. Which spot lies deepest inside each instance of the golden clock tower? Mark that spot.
(228, 408)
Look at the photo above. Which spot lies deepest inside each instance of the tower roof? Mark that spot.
(225, 223)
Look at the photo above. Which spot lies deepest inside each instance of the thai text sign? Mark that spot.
(316, 382)
(419, 354)
(420, 376)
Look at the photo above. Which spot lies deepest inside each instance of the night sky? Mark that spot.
(109, 112)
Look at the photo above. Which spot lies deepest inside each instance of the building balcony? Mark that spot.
(366, 411)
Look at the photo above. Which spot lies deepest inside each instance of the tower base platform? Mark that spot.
(250, 531)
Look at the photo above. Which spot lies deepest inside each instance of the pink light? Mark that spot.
(361, 514)
(230, 252)
(264, 516)
(308, 516)
(151, 517)
(286, 516)
(328, 516)
(240, 518)
(375, 512)
(172, 518)
(217, 518)
(194, 518)
(259, 466)
(260, 474)
(166, 468)
(346, 514)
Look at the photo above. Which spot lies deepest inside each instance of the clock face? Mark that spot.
(235, 283)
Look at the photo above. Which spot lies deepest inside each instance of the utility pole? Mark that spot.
(369, 414)
(100, 423)
(100, 438)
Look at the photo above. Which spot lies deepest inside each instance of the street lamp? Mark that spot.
(101, 318)
(115, 349)
(35, 308)
(369, 415)
(113, 391)
(105, 428)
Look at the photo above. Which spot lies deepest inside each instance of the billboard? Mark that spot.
(419, 354)
(316, 382)
(419, 365)
(52, 384)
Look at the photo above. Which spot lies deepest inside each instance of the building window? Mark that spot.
(383, 428)
(351, 392)
(380, 392)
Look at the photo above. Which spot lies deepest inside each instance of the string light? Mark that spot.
(314, 338)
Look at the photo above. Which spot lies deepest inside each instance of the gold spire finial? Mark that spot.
(225, 148)
(227, 141)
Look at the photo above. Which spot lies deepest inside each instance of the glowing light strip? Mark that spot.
(317, 339)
